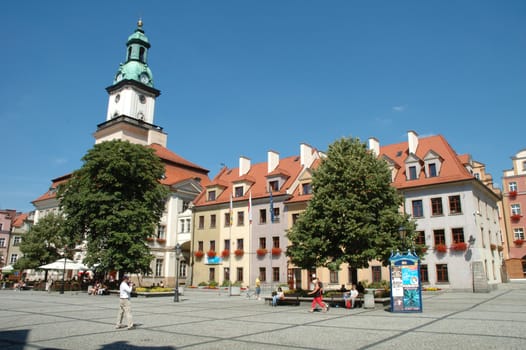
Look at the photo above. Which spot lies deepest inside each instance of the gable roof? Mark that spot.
(451, 170)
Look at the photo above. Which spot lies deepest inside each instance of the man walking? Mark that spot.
(125, 290)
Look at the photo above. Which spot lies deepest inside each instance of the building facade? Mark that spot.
(514, 200)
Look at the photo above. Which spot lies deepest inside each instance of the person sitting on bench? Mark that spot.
(277, 296)
(350, 297)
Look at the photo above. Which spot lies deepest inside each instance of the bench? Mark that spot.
(335, 300)
(287, 300)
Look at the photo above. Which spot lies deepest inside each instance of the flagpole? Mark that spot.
(230, 248)
(270, 239)
(249, 239)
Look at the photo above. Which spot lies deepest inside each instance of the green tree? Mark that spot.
(354, 215)
(43, 243)
(114, 202)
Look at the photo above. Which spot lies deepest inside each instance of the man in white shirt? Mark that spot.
(125, 290)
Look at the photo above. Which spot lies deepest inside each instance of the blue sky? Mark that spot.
(245, 77)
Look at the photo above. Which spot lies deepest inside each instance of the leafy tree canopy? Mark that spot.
(354, 215)
(43, 243)
(114, 202)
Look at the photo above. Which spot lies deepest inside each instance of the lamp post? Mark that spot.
(63, 271)
(177, 257)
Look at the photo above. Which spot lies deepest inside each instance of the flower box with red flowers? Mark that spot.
(211, 253)
(225, 253)
(441, 248)
(239, 252)
(161, 240)
(459, 247)
(516, 217)
(518, 242)
(513, 194)
(150, 239)
(276, 251)
(493, 246)
(199, 254)
(261, 252)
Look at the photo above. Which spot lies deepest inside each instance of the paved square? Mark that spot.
(205, 319)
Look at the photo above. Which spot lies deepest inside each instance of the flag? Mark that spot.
(271, 207)
(250, 208)
(231, 212)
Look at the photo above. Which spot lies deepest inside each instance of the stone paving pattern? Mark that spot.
(205, 319)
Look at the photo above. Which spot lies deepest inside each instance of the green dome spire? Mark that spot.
(136, 66)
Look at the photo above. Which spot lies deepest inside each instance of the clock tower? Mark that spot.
(131, 102)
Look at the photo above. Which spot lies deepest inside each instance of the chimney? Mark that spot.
(374, 145)
(412, 140)
(306, 156)
(244, 165)
(272, 161)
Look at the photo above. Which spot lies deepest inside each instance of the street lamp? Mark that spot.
(402, 232)
(177, 257)
(63, 272)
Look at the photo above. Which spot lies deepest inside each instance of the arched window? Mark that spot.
(141, 54)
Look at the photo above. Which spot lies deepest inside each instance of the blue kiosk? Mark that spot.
(406, 290)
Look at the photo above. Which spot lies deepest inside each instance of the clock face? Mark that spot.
(142, 99)
(144, 78)
(117, 98)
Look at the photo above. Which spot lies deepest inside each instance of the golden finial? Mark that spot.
(139, 23)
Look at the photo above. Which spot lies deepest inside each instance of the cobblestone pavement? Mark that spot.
(213, 320)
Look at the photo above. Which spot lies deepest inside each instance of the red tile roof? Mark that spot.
(452, 168)
(19, 219)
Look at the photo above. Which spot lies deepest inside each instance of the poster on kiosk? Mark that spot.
(406, 291)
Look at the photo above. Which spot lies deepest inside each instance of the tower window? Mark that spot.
(141, 54)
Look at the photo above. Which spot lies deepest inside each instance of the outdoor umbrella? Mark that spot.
(59, 265)
(8, 268)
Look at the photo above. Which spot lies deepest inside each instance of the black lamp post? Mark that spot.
(177, 257)
(63, 272)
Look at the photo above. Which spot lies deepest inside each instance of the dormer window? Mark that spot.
(212, 195)
(273, 185)
(238, 191)
(432, 170)
(412, 173)
(433, 163)
(306, 188)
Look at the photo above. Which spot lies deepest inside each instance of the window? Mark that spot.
(275, 274)
(238, 191)
(240, 218)
(239, 274)
(17, 240)
(412, 173)
(377, 273)
(201, 222)
(262, 216)
(295, 218)
(212, 274)
(227, 244)
(211, 195)
(275, 242)
(432, 168)
(276, 215)
(240, 243)
(418, 208)
(200, 246)
(420, 238)
(213, 245)
(273, 185)
(518, 233)
(14, 258)
(515, 209)
(226, 274)
(436, 206)
(227, 219)
(306, 188)
(424, 275)
(161, 231)
(262, 243)
(187, 225)
(213, 221)
(2, 242)
(158, 267)
(442, 273)
(333, 276)
(457, 234)
(512, 186)
(440, 236)
(262, 274)
(454, 205)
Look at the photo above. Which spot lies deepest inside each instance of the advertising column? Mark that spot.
(406, 291)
